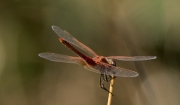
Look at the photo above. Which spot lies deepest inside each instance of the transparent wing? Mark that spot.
(91, 69)
(61, 58)
(133, 58)
(121, 72)
(66, 36)
(66, 59)
(115, 71)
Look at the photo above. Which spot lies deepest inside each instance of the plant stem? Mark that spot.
(110, 92)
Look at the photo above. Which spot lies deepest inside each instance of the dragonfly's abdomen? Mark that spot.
(87, 59)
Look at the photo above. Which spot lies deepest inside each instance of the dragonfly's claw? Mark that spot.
(106, 90)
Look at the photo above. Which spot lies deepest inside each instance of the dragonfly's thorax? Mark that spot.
(98, 58)
(105, 60)
(104, 65)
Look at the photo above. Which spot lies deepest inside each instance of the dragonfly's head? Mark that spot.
(110, 61)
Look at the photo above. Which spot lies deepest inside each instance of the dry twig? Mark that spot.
(110, 92)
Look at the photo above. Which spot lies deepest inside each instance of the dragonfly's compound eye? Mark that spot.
(111, 62)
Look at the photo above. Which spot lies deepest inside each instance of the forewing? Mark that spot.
(133, 58)
(66, 36)
(121, 72)
(61, 58)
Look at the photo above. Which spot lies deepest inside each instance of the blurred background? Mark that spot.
(109, 27)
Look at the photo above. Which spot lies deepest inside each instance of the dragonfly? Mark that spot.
(105, 66)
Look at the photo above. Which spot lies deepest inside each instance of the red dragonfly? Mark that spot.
(105, 66)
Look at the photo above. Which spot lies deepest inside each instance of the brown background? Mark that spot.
(109, 27)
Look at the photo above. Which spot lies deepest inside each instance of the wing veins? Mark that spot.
(61, 58)
(69, 38)
(132, 58)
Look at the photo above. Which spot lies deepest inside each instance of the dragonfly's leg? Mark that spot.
(101, 80)
(113, 77)
(105, 78)
(108, 78)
